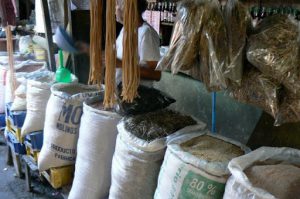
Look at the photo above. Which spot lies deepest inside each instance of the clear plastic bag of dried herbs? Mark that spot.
(258, 90)
(273, 48)
(238, 21)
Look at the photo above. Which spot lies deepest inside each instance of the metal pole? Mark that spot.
(214, 102)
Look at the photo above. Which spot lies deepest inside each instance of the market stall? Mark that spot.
(175, 105)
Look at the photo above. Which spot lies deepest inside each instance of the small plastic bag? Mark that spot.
(289, 110)
(258, 90)
(213, 48)
(274, 48)
(237, 19)
(183, 52)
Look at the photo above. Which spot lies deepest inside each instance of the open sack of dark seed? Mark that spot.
(95, 149)
(62, 121)
(266, 173)
(195, 166)
(140, 149)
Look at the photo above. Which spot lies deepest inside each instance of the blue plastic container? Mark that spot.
(36, 140)
(17, 146)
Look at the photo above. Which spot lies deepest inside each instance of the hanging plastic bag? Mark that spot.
(237, 20)
(213, 51)
(289, 110)
(258, 90)
(274, 48)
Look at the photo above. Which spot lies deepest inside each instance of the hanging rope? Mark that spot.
(95, 76)
(110, 55)
(130, 68)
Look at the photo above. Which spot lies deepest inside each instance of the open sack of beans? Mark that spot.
(62, 122)
(198, 44)
(140, 149)
(95, 149)
(266, 173)
(195, 166)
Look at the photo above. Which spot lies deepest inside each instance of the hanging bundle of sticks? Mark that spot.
(96, 42)
(110, 55)
(130, 68)
(10, 51)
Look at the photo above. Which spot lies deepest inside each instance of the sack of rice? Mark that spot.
(195, 166)
(274, 47)
(95, 148)
(38, 94)
(265, 173)
(62, 121)
(140, 149)
(238, 20)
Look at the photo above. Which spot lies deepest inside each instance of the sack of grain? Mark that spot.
(96, 145)
(195, 166)
(38, 94)
(140, 150)
(266, 173)
(62, 121)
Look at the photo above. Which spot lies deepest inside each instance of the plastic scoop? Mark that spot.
(62, 74)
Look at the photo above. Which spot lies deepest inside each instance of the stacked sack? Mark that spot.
(140, 149)
(62, 121)
(195, 166)
(267, 173)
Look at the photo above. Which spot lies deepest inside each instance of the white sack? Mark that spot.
(239, 186)
(97, 138)
(38, 94)
(136, 163)
(63, 114)
(184, 175)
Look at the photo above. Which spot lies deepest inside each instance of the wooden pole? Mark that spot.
(48, 30)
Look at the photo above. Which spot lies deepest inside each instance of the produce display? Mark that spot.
(212, 149)
(157, 124)
(281, 180)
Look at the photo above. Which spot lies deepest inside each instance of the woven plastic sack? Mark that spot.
(184, 175)
(240, 187)
(38, 94)
(136, 163)
(97, 138)
(64, 110)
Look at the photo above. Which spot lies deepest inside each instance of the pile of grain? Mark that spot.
(157, 124)
(282, 180)
(212, 149)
